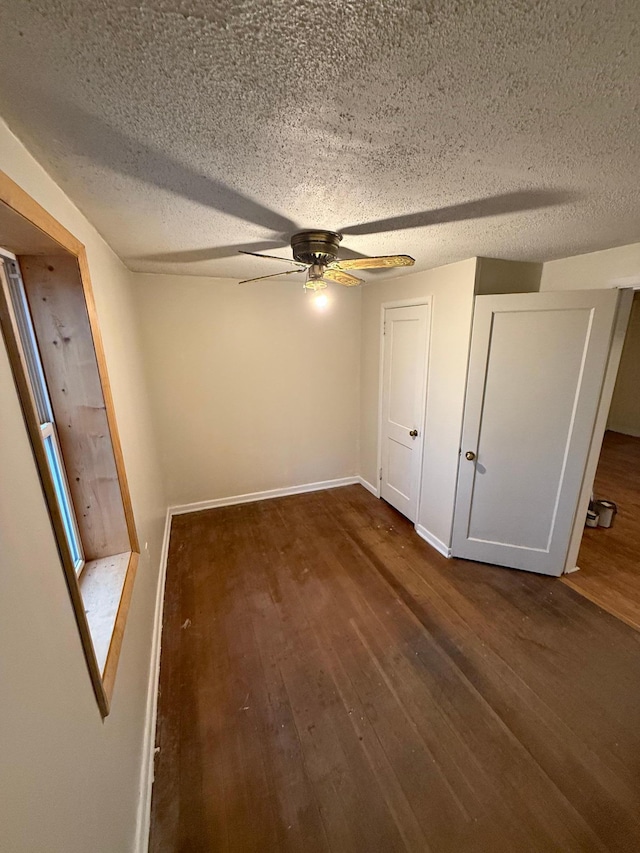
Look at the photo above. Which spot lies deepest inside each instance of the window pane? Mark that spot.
(62, 494)
(27, 334)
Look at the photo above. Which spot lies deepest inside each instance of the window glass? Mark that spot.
(43, 406)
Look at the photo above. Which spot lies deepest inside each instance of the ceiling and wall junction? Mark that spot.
(185, 130)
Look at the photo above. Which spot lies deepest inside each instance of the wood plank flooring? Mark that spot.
(330, 683)
(609, 558)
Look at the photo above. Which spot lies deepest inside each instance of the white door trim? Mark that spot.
(404, 303)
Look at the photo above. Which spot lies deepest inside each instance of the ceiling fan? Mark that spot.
(316, 254)
(89, 135)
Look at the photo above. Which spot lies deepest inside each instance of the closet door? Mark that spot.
(406, 338)
(536, 371)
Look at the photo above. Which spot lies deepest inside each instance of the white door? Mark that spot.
(404, 387)
(536, 370)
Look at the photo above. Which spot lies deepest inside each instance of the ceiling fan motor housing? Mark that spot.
(315, 247)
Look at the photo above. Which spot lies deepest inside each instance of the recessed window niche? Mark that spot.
(64, 331)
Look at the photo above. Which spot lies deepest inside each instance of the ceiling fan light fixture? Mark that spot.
(315, 278)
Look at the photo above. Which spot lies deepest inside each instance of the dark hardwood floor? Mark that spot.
(609, 558)
(330, 682)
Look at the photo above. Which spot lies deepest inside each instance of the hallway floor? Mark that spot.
(330, 682)
(609, 558)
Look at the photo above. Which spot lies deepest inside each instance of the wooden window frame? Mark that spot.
(16, 294)
(102, 595)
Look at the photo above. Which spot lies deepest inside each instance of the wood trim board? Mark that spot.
(60, 318)
(108, 398)
(14, 197)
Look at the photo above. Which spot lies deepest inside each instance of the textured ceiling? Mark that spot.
(186, 130)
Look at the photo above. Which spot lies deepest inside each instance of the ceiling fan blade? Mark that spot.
(273, 258)
(341, 277)
(273, 275)
(208, 254)
(513, 202)
(373, 263)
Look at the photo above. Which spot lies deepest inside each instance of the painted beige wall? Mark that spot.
(617, 267)
(494, 275)
(451, 288)
(609, 268)
(624, 414)
(253, 388)
(69, 782)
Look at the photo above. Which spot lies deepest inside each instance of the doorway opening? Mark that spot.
(609, 556)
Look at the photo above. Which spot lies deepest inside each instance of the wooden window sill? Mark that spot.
(106, 586)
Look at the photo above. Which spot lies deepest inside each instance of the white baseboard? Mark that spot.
(148, 745)
(367, 485)
(436, 543)
(262, 496)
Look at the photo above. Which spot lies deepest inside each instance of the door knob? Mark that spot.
(470, 455)
(413, 433)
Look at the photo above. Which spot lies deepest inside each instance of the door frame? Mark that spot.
(404, 303)
(618, 334)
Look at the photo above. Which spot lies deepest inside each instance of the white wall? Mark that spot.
(451, 288)
(617, 267)
(609, 268)
(69, 782)
(253, 387)
(624, 414)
